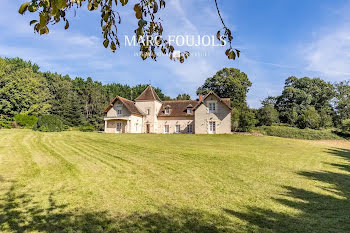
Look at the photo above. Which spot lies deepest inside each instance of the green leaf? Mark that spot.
(106, 43)
(23, 7)
(33, 21)
(43, 21)
(124, 2)
(67, 25)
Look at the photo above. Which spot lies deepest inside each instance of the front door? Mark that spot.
(212, 127)
(148, 128)
(119, 127)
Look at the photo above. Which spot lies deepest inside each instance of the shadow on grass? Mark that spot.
(317, 212)
(19, 213)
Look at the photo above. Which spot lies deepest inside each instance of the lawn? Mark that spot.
(91, 182)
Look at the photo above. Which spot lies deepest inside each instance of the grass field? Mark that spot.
(90, 182)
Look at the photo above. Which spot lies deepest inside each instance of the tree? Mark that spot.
(342, 101)
(309, 118)
(345, 126)
(149, 31)
(246, 120)
(299, 94)
(228, 83)
(267, 115)
(183, 97)
(22, 91)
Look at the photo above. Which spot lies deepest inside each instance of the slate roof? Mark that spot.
(177, 108)
(127, 103)
(148, 94)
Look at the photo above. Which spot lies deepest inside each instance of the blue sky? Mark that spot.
(277, 39)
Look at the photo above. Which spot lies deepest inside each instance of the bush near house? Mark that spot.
(25, 120)
(292, 132)
(6, 122)
(49, 123)
(87, 128)
(345, 126)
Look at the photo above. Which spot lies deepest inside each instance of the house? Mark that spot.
(209, 114)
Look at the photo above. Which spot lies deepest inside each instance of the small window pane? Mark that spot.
(177, 128)
(166, 128)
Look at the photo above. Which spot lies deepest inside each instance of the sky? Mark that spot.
(277, 39)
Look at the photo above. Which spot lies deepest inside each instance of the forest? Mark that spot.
(27, 93)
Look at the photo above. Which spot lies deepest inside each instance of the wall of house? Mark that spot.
(222, 117)
(111, 126)
(135, 124)
(113, 111)
(173, 121)
(150, 119)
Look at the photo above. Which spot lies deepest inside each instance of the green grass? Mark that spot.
(293, 132)
(91, 182)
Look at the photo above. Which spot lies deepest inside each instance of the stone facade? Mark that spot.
(148, 114)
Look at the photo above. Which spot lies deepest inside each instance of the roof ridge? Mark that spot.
(149, 94)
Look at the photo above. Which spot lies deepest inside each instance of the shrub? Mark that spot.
(49, 123)
(345, 126)
(291, 132)
(243, 119)
(6, 122)
(309, 118)
(26, 121)
(86, 128)
(267, 115)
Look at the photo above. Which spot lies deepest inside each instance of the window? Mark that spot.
(212, 127)
(136, 126)
(119, 111)
(166, 110)
(119, 127)
(189, 110)
(189, 128)
(177, 128)
(211, 107)
(148, 111)
(166, 128)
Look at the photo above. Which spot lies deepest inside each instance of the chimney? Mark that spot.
(200, 97)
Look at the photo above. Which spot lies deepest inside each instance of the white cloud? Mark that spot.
(329, 53)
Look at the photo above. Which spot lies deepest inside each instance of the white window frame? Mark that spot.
(148, 111)
(166, 128)
(167, 111)
(177, 128)
(189, 128)
(212, 127)
(189, 110)
(212, 103)
(120, 128)
(119, 111)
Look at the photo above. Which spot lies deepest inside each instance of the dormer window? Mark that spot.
(212, 108)
(166, 110)
(189, 110)
(119, 111)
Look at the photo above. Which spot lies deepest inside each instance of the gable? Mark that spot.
(128, 104)
(148, 94)
(211, 96)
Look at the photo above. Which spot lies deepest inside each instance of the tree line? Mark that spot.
(26, 90)
(303, 103)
